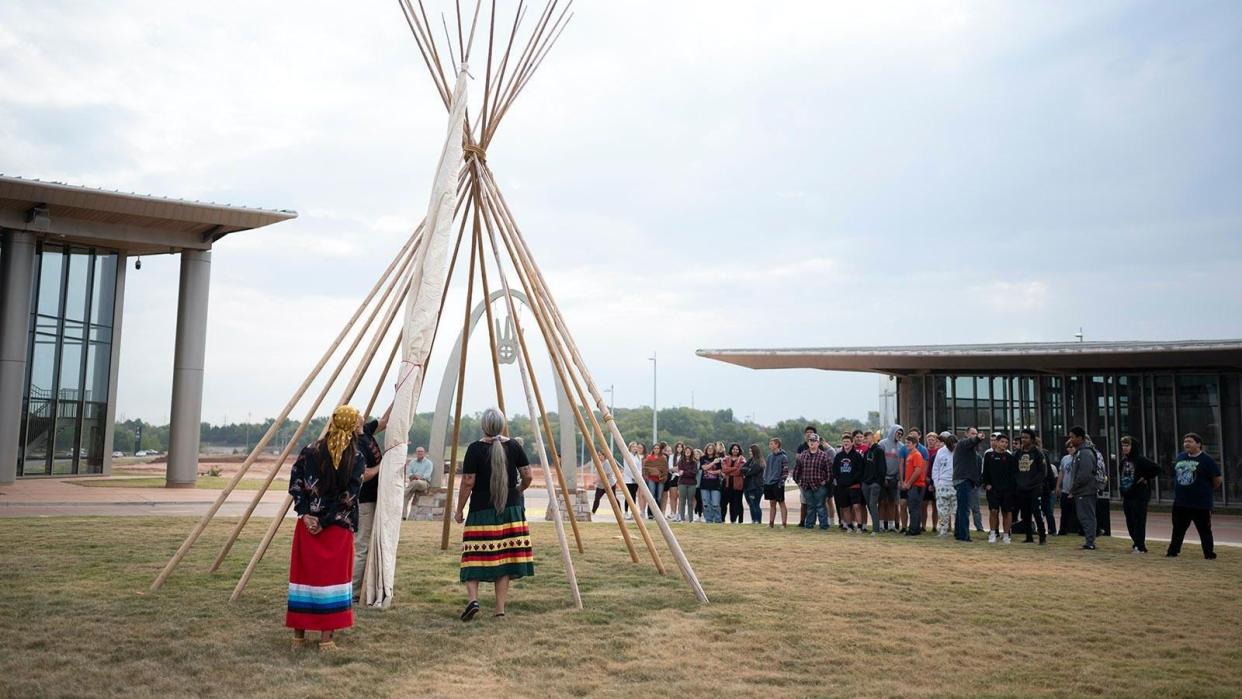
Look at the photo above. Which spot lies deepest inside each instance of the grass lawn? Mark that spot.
(204, 482)
(793, 613)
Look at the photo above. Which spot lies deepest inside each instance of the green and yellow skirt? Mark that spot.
(496, 545)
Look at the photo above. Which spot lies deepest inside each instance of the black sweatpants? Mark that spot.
(1136, 520)
(1182, 517)
(1069, 517)
(1028, 507)
(633, 488)
(599, 495)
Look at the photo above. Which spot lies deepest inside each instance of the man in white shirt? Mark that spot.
(417, 478)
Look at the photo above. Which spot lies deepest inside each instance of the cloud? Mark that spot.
(689, 174)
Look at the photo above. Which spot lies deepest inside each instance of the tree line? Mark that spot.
(681, 424)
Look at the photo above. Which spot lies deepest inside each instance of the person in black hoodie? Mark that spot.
(1137, 474)
(1032, 476)
(847, 471)
(875, 468)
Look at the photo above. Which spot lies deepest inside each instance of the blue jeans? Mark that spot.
(815, 506)
(754, 498)
(656, 489)
(961, 521)
(711, 505)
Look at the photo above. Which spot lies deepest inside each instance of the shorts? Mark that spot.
(774, 493)
(847, 497)
(888, 493)
(1003, 500)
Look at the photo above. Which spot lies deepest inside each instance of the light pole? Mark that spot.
(655, 431)
(612, 394)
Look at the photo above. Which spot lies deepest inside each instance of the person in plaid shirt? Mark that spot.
(811, 473)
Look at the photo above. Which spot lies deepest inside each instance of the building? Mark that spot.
(1154, 391)
(62, 278)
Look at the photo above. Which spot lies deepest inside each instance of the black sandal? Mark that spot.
(471, 610)
(499, 615)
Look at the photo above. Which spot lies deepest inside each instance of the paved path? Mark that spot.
(60, 497)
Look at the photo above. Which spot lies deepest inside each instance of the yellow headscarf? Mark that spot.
(341, 431)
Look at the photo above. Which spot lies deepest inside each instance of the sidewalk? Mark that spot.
(60, 497)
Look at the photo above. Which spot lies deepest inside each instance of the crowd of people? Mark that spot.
(901, 481)
(864, 484)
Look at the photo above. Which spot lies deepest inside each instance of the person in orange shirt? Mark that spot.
(914, 483)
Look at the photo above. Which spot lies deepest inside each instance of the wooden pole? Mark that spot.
(687, 570)
(284, 414)
(310, 413)
(491, 328)
(352, 386)
(566, 558)
(461, 384)
(543, 413)
(554, 347)
(561, 367)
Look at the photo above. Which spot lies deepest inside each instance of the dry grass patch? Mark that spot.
(796, 612)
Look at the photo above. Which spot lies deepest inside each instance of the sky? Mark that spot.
(689, 174)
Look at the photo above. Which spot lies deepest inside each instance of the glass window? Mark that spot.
(51, 261)
(42, 366)
(65, 447)
(942, 410)
(983, 403)
(103, 294)
(1231, 412)
(70, 362)
(94, 428)
(1167, 439)
(77, 285)
(38, 424)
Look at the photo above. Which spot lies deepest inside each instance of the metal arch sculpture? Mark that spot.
(448, 384)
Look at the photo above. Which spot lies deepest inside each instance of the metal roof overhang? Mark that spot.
(137, 224)
(1028, 357)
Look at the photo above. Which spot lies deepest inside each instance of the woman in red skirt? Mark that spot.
(496, 544)
(324, 486)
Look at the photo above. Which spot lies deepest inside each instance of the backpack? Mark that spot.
(1101, 469)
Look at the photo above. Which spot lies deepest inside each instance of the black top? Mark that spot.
(1031, 469)
(848, 467)
(875, 466)
(478, 462)
(334, 498)
(1000, 470)
(1137, 474)
(373, 455)
(709, 480)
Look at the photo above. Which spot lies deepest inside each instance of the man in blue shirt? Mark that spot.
(1195, 479)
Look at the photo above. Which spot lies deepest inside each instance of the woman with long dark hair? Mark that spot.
(752, 485)
(733, 483)
(496, 544)
(671, 493)
(710, 483)
(324, 485)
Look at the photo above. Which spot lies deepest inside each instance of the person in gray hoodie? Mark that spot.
(1084, 488)
(967, 474)
(775, 473)
(891, 446)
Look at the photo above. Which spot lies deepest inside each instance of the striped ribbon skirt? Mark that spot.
(496, 545)
(321, 570)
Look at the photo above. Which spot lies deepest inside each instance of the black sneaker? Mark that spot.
(1088, 547)
(1170, 555)
(1210, 556)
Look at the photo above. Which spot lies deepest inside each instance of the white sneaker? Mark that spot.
(992, 537)
(1007, 539)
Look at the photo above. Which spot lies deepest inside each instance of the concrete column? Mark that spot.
(16, 275)
(187, 390)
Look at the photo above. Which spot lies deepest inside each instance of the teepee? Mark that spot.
(465, 197)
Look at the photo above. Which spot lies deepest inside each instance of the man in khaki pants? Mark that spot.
(417, 478)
